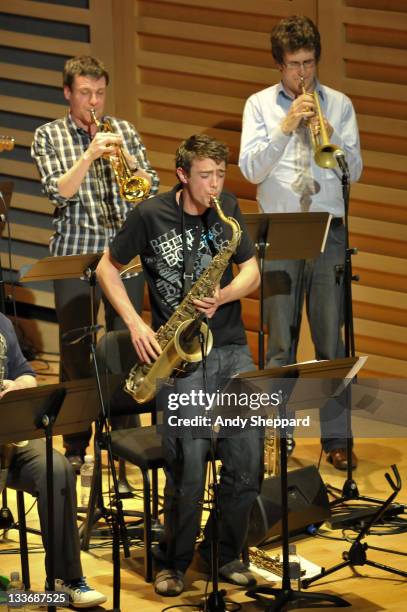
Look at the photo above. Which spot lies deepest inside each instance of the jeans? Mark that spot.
(240, 478)
(318, 281)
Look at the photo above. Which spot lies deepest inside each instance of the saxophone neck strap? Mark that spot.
(189, 256)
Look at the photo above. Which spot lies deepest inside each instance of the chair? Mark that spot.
(140, 446)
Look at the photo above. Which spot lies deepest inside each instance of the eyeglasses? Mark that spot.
(307, 65)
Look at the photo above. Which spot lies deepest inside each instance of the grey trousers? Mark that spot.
(287, 284)
(240, 478)
(28, 473)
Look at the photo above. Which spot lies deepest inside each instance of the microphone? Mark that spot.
(77, 335)
(341, 161)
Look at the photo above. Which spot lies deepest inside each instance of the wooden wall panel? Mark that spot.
(184, 66)
(35, 40)
(368, 49)
(196, 62)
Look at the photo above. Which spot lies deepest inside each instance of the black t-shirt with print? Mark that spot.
(153, 231)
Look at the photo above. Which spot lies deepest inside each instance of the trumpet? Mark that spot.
(324, 151)
(132, 188)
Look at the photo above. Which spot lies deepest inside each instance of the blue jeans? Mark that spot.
(287, 284)
(240, 479)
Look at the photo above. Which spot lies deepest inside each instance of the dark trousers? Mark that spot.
(28, 473)
(73, 308)
(240, 479)
(287, 284)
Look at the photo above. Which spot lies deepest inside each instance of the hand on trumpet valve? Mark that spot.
(316, 127)
(103, 144)
(302, 108)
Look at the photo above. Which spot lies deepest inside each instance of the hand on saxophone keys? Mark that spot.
(144, 341)
(209, 305)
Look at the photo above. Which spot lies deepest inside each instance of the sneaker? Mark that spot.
(81, 595)
(237, 572)
(169, 582)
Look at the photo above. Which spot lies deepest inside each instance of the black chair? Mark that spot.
(7, 522)
(140, 446)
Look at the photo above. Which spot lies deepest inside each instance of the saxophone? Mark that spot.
(177, 337)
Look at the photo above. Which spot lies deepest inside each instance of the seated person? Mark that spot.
(27, 472)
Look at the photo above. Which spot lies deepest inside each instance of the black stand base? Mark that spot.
(283, 597)
(355, 556)
(215, 602)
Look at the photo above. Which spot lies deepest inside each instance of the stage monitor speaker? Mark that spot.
(307, 505)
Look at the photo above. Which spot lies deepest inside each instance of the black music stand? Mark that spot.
(49, 410)
(340, 372)
(65, 267)
(285, 236)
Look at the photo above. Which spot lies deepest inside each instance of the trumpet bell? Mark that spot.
(134, 189)
(324, 156)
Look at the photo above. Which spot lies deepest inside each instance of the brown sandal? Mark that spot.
(169, 582)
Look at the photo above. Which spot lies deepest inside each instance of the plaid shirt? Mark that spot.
(86, 222)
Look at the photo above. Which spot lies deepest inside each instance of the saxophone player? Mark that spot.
(27, 472)
(177, 234)
(74, 160)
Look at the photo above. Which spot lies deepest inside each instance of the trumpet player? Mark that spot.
(280, 124)
(75, 162)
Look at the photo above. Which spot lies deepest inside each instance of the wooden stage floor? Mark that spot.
(367, 589)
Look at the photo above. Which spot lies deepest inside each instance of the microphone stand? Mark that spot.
(215, 601)
(350, 489)
(96, 508)
(261, 247)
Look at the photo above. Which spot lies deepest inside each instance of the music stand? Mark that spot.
(341, 371)
(285, 236)
(49, 410)
(65, 267)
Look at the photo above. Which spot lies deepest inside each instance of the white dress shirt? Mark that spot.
(282, 165)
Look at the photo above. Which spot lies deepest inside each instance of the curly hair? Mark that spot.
(200, 146)
(292, 34)
(83, 65)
